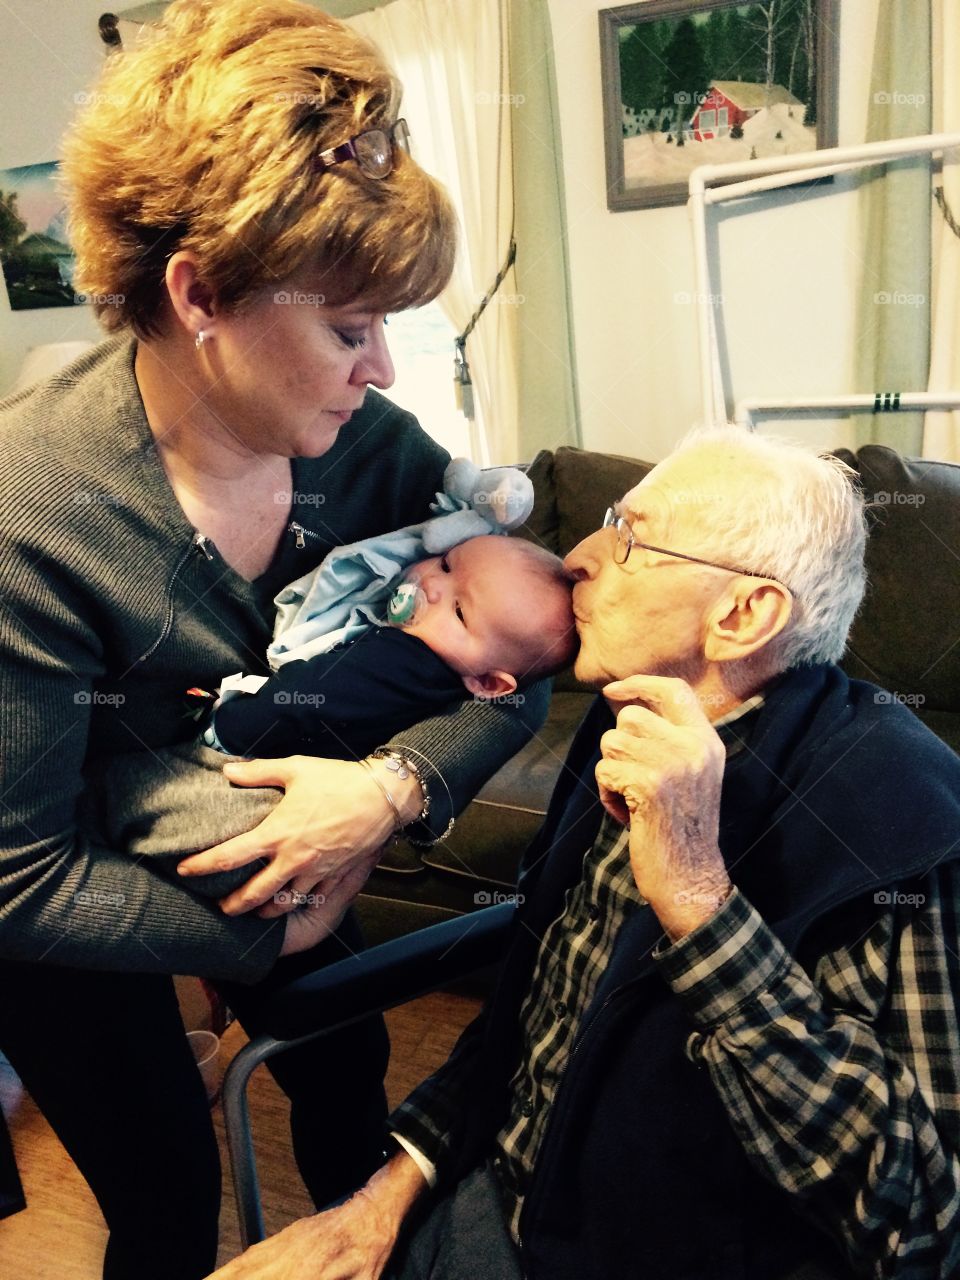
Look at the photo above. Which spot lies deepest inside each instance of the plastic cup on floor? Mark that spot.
(206, 1054)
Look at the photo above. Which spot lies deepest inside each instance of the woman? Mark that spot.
(243, 233)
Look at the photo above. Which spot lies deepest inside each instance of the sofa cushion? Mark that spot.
(542, 524)
(586, 484)
(491, 835)
(905, 636)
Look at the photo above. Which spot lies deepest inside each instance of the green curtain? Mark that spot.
(548, 409)
(894, 313)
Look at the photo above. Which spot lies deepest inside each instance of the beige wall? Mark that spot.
(50, 50)
(789, 271)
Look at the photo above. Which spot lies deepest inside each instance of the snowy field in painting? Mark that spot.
(649, 160)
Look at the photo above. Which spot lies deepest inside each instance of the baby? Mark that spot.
(485, 617)
(482, 619)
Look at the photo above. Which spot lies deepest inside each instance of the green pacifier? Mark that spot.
(406, 604)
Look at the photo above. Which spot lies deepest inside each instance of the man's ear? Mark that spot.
(747, 617)
(492, 685)
(191, 298)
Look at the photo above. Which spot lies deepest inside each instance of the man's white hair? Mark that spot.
(806, 528)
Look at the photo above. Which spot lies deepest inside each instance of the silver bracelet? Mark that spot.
(403, 766)
(397, 816)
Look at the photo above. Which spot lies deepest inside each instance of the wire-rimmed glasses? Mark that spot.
(626, 542)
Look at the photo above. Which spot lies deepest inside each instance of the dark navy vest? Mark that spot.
(828, 797)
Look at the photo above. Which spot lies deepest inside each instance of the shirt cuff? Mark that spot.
(723, 963)
(426, 1167)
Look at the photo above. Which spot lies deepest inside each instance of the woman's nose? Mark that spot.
(374, 363)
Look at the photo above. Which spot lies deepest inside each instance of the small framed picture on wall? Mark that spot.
(691, 82)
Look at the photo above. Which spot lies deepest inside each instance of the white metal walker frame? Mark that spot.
(770, 174)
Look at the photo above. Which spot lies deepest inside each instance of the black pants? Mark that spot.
(464, 1236)
(105, 1058)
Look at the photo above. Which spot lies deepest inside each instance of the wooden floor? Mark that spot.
(61, 1235)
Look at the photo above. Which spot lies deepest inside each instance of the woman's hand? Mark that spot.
(332, 820)
(351, 1242)
(307, 926)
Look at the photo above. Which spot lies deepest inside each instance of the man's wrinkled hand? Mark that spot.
(350, 1242)
(661, 773)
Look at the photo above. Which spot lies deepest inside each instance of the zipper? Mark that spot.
(301, 534)
(202, 543)
(198, 540)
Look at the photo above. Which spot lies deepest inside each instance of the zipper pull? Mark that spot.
(201, 541)
(298, 530)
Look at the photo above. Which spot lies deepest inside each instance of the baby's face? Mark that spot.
(482, 605)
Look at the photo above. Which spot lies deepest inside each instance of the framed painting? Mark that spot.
(691, 82)
(37, 261)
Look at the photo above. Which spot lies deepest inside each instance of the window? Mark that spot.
(421, 343)
(708, 121)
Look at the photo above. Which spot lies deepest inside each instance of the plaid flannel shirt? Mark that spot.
(843, 1088)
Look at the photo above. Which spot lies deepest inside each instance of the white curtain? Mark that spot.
(452, 60)
(941, 436)
(893, 339)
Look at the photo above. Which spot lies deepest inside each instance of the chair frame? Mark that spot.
(343, 993)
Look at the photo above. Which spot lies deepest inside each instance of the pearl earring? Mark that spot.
(200, 337)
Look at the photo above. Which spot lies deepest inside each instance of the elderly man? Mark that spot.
(725, 1040)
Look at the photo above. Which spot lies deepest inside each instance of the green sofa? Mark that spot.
(906, 639)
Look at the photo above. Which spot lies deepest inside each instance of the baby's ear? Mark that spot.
(492, 685)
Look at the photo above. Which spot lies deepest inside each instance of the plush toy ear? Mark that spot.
(494, 684)
(504, 497)
(461, 478)
(443, 532)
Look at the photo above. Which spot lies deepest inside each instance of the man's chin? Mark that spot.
(587, 674)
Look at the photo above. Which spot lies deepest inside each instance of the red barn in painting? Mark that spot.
(731, 102)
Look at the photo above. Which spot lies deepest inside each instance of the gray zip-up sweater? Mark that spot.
(112, 605)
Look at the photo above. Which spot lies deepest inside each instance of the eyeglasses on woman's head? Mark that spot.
(375, 150)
